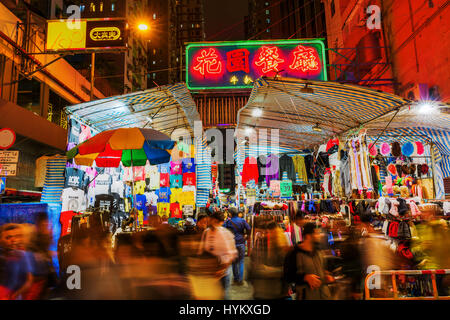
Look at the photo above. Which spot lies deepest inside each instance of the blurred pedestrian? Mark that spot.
(240, 228)
(15, 269)
(219, 242)
(311, 273)
(267, 262)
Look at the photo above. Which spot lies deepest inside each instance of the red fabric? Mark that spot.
(175, 211)
(96, 144)
(189, 179)
(5, 293)
(109, 158)
(164, 180)
(250, 171)
(66, 222)
(331, 143)
(393, 229)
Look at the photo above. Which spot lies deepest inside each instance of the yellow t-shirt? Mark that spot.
(139, 187)
(175, 194)
(164, 209)
(187, 198)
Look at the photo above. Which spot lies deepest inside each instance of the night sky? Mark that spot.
(220, 14)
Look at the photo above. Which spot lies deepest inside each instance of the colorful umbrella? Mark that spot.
(129, 146)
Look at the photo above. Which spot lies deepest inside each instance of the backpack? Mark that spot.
(290, 266)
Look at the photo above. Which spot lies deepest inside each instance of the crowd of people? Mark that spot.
(205, 259)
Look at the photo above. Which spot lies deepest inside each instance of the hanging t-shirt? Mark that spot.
(74, 178)
(187, 197)
(73, 200)
(164, 168)
(139, 187)
(175, 194)
(102, 184)
(105, 202)
(164, 180)
(141, 201)
(286, 188)
(175, 210)
(175, 167)
(163, 194)
(188, 165)
(163, 209)
(119, 203)
(118, 187)
(153, 174)
(152, 198)
(189, 179)
(176, 181)
(139, 173)
(85, 134)
(66, 221)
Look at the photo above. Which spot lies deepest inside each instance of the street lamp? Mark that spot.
(143, 27)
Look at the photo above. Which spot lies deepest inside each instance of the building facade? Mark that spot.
(396, 55)
(175, 22)
(285, 19)
(34, 89)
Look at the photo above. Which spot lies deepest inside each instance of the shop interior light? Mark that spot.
(149, 119)
(316, 128)
(257, 112)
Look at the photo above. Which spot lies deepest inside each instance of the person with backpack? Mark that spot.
(239, 227)
(304, 266)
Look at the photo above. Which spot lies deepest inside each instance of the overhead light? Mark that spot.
(316, 128)
(149, 119)
(248, 130)
(306, 89)
(257, 112)
(426, 107)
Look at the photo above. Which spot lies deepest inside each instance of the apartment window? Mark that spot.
(268, 20)
(92, 7)
(154, 75)
(267, 11)
(154, 62)
(267, 30)
(154, 16)
(192, 26)
(101, 6)
(154, 51)
(181, 26)
(82, 7)
(267, 4)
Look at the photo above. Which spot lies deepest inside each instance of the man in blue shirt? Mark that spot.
(15, 269)
(238, 227)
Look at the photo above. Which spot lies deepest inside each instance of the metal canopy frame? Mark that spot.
(169, 107)
(336, 108)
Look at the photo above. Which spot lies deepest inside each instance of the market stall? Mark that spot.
(351, 154)
(129, 158)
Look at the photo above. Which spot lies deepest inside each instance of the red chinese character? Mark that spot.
(304, 60)
(269, 58)
(237, 60)
(208, 62)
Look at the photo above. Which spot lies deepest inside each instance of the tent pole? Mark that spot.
(433, 168)
(132, 192)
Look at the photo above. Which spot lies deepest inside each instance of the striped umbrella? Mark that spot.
(129, 146)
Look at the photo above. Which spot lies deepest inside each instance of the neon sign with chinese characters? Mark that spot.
(236, 65)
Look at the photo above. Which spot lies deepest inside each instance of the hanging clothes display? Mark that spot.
(286, 164)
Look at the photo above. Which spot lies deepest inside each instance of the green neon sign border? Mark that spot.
(319, 41)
